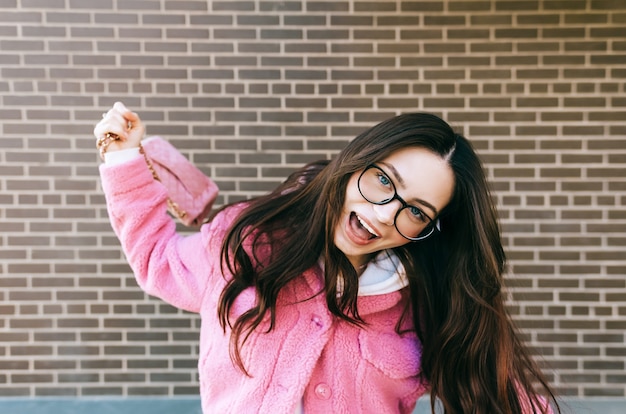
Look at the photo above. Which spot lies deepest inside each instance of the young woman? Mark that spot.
(358, 285)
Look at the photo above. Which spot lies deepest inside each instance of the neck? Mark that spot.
(361, 262)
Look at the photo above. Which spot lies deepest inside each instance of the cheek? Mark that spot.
(352, 192)
(396, 239)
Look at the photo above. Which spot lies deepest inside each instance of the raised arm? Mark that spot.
(167, 265)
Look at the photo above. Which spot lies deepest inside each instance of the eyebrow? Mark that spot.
(403, 184)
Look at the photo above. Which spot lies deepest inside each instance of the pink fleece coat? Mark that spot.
(310, 356)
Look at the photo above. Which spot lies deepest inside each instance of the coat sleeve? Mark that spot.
(167, 265)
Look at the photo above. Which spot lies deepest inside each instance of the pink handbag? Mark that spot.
(190, 193)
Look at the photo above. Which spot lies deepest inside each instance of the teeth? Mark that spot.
(368, 228)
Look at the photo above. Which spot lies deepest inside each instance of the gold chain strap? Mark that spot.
(171, 204)
(103, 144)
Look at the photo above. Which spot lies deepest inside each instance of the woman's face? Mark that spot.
(421, 178)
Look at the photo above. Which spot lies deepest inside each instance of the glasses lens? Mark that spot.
(412, 223)
(375, 186)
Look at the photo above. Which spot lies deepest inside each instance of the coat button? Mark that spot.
(322, 391)
(317, 321)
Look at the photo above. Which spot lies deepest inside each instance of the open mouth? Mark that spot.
(361, 228)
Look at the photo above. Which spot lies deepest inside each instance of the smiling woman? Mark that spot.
(411, 221)
(356, 286)
(375, 217)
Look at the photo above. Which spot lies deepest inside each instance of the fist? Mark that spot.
(118, 129)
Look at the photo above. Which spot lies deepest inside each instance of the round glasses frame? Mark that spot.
(430, 227)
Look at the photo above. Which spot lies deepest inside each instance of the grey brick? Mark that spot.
(140, 5)
(66, 17)
(116, 18)
(91, 32)
(186, 5)
(90, 4)
(21, 45)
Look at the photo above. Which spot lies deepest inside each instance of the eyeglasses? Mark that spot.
(411, 222)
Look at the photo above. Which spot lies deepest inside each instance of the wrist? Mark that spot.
(120, 156)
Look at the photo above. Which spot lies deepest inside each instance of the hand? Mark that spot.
(119, 129)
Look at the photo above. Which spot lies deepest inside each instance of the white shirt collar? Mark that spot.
(384, 274)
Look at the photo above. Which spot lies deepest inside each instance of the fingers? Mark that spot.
(131, 117)
(120, 108)
(122, 123)
(112, 122)
(120, 119)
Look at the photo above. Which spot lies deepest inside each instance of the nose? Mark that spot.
(386, 213)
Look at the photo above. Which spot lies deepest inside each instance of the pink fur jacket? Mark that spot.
(310, 359)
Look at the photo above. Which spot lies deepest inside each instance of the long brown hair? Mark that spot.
(471, 356)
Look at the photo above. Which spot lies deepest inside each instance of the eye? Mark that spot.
(416, 214)
(383, 179)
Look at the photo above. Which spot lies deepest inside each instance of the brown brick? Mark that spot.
(536, 102)
(561, 144)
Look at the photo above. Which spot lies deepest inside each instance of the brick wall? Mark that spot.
(251, 89)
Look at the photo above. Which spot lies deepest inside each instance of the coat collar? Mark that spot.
(395, 285)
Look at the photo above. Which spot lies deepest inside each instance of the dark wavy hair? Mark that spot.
(472, 358)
